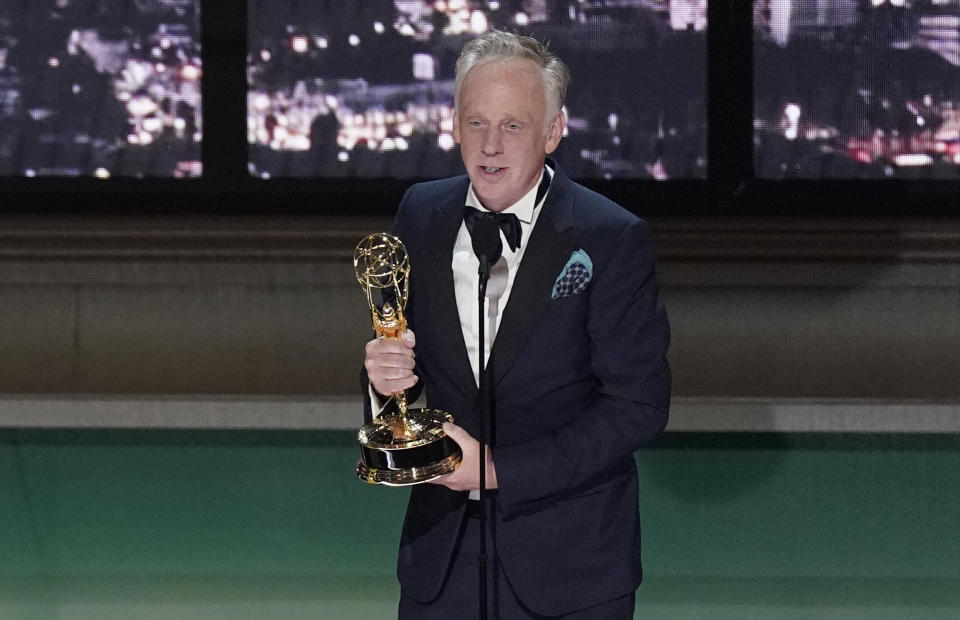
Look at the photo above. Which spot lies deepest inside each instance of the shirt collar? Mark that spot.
(522, 208)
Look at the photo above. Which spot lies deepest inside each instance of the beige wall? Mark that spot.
(776, 310)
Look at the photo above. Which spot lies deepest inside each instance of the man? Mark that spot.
(581, 378)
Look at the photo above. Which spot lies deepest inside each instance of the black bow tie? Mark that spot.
(507, 222)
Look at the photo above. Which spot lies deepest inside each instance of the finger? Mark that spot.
(403, 363)
(409, 339)
(388, 385)
(455, 432)
(379, 368)
(453, 480)
(388, 346)
(392, 386)
(383, 353)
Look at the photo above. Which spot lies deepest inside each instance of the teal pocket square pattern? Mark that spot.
(574, 277)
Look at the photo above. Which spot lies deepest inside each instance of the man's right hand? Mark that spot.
(389, 363)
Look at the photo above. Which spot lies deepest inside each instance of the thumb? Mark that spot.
(454, 432)
(409, 339)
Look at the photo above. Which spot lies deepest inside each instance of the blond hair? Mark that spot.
(496, 45)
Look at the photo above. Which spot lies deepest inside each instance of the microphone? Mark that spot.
(486, 244)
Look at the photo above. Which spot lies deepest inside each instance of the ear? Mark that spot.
(456, 128)
(555, 132)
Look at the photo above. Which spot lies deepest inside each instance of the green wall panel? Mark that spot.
(246, 524)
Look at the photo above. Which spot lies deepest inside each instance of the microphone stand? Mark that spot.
(484, 273)
(487, 247)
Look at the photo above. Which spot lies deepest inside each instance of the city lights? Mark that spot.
(190, 72)
(299, 44)
(876, 83)
(109, 88)
(382, 101)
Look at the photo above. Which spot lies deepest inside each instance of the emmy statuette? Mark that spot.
(401, 446)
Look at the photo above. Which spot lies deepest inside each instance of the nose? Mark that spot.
(492, 141)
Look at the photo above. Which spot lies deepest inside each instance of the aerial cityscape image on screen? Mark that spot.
(364, 88)
(100, 88)
(857, 89)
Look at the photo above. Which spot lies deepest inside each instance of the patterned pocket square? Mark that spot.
(574, 277)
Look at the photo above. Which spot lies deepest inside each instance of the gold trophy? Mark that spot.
(400, 446)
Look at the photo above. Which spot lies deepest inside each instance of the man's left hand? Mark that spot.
(467, 476)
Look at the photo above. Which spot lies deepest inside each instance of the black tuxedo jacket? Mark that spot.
(581, 382)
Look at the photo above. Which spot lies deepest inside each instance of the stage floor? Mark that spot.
(99, 524)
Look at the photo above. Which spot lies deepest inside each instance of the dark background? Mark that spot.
(731, 187)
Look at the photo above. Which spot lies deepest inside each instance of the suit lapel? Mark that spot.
(435, 269)
(551, 244)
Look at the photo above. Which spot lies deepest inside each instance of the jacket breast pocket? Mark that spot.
(571, 307)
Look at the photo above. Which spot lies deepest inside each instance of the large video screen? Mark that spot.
(857, 89)
(364, 88)
(100, 88)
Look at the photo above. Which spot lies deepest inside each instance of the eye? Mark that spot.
(512, 126)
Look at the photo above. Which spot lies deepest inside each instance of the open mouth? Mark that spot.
(491, 169)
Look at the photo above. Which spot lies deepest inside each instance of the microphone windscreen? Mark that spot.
(486, 239)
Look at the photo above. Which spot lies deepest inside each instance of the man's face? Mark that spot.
(502, 128)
